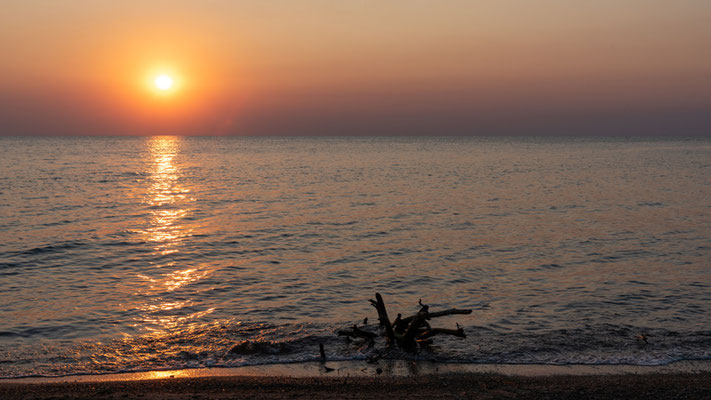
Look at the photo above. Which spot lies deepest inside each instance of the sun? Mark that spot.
(163, 82)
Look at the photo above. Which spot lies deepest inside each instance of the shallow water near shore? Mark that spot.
(382, 369)
(128, 254)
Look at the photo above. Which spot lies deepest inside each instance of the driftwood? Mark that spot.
(356, 332)
(451, 311)
(406, 332)
(459, 332)
(379, 305)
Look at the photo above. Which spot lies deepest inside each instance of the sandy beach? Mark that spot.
(447, 386)
(387, 379)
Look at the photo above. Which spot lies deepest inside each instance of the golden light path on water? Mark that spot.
(166, 195)
(168, 199)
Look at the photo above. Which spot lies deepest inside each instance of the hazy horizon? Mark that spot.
(317, 68)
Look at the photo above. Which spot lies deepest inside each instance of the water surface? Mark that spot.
(141, 253)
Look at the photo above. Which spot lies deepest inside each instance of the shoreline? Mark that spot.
(382, 369)
(442, 386)
(396, 379)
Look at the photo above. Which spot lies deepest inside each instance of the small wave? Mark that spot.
(234, 344)
(60, 247)
(248, 347)
(650, 204)
(551, 266)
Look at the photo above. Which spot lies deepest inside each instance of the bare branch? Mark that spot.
(356, 332)
(436, 314)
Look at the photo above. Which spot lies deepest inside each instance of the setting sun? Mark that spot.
(163, 82)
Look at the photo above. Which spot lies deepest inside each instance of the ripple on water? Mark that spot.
(170, 251)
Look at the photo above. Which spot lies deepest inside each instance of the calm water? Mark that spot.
(141, 253)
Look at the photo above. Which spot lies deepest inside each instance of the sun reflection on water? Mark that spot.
(166, 196)
(175, 279)
(169, 202)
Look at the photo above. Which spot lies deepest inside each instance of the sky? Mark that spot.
(385, 67)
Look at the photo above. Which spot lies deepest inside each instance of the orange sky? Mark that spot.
(356, 67)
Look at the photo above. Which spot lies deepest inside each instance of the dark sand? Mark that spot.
(444, 386)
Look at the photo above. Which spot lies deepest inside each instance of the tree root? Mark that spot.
(407, 332)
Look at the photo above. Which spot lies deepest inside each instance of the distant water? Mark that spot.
(122, 254)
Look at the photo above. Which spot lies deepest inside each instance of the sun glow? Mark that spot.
(163, 82)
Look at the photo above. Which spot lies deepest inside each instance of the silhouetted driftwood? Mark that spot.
(459, 332)
(322, 352)
(407, 332)
(356, 332)
(379, 305)
(451, 311)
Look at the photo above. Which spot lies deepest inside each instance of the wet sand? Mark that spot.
(444, 386)
(386, 379)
